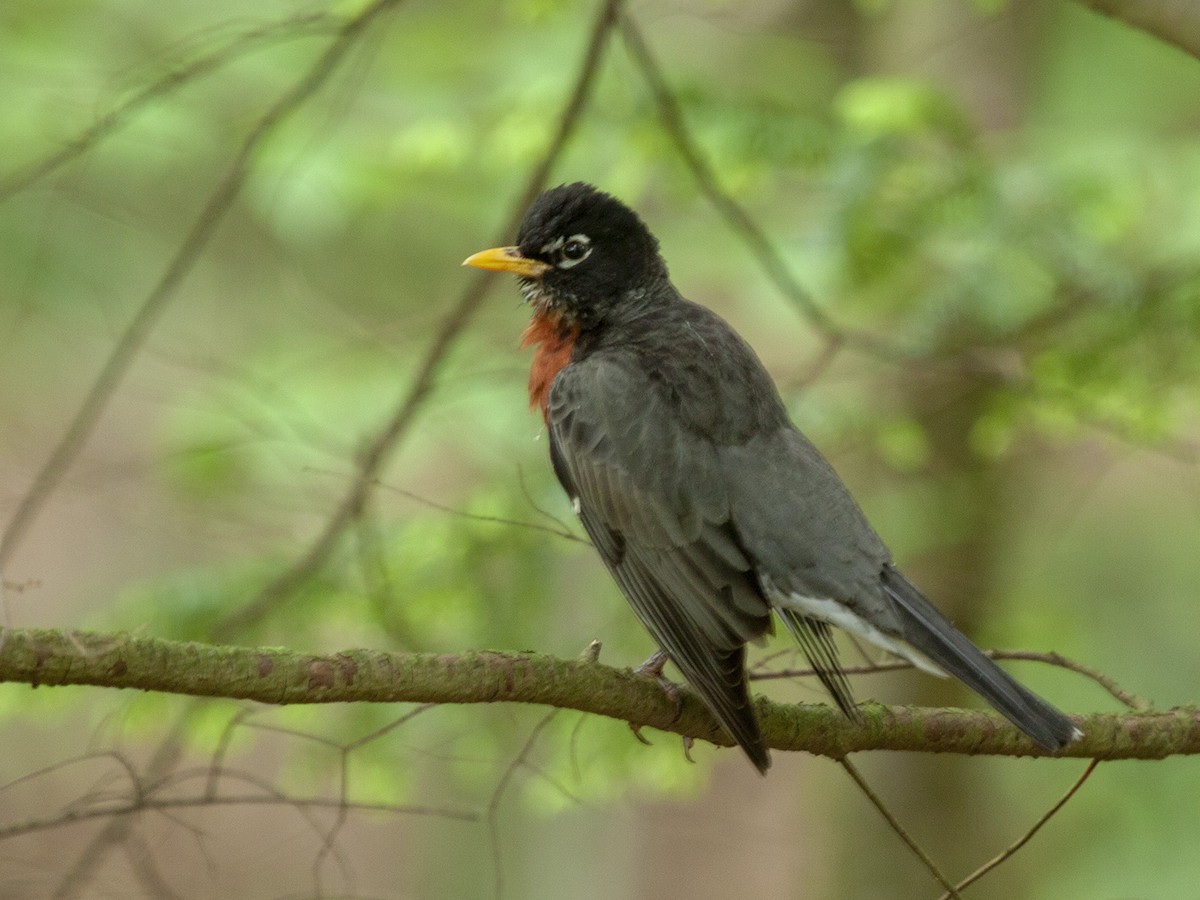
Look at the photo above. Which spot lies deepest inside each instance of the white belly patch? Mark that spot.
(838, 614)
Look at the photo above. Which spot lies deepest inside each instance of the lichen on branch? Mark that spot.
(276, 675)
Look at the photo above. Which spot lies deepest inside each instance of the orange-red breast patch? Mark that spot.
(553, 345)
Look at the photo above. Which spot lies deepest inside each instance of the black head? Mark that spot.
(582, 254)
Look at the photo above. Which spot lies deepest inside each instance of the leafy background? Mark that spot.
(999, 196)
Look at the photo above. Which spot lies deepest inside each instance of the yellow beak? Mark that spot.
(507, 259)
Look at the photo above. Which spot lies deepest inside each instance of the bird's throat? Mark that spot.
(553, 341)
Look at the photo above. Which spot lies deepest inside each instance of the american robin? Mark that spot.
(706, 504)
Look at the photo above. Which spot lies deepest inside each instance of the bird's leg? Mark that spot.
(653, 668)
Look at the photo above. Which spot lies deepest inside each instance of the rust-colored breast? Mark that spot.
(552, 350)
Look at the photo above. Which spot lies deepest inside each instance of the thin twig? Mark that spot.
(199, 801)
(300, 26)
(832, 347)
(563, 528)
(141, 861)
(388, 437)
(1133, 701)
(128, 346)
(895, 825)
(204, 773)
(498, 795)
(114, 833)
(562, 531)
(1025, 838)
(217, 763)
(693, 157)
(130, 342)
(740, 222)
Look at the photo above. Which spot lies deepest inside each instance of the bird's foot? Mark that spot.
(653, 668)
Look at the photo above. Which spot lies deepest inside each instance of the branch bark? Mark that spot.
(42, 657)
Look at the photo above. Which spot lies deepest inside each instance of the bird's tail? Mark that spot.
(929, 633)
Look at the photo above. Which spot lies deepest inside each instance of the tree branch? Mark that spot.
(1175, 22)
(126, 349)
(384, 444)
(42, 657)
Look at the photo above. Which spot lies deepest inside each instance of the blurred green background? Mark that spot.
(1003, 193)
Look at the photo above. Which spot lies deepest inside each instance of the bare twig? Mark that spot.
(1133, 701)
(121, 760)
(117, 810)
(1025, 838)
(131, 341)
(740, 221)
(387, 439)
(899, 829)
(163, 759)
(544, 513)
(562, 531)
(217, 763)
(304, 25)
(202, 230)
(329, 835)
(493, 812)
(141, 861)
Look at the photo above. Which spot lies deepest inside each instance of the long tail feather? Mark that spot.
(930, 634)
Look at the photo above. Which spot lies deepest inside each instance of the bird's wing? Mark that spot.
(801, 527)
(650, 495)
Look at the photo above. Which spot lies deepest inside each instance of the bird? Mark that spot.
(711, 511)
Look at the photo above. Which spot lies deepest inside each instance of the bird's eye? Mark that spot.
(574, 250)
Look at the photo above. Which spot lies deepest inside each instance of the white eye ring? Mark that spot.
(570, 251)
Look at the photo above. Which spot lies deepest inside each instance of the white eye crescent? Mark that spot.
(576, 248)
(569, 251)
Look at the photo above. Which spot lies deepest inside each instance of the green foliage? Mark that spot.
(1037, 281)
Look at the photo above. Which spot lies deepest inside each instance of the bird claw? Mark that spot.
(637, 733)
(688, 743)
(653, 668)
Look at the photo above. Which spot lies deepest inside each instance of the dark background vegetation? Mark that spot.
(987, 211)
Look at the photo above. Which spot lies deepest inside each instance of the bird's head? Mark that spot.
(581, 255)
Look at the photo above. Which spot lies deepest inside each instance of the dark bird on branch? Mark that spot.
(708, 507)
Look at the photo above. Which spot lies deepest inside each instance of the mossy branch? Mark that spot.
(50, 658)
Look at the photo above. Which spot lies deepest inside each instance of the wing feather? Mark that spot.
(651, 498)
